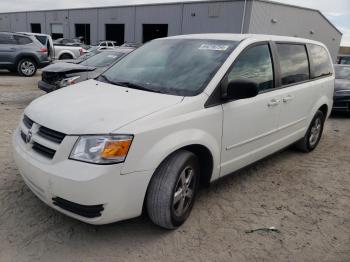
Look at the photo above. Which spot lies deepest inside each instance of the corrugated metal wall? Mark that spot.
(202, 17)
(274, 19)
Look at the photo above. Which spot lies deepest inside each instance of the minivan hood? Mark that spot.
(93, 107)
(67, 68)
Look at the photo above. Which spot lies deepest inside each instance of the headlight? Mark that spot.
(102, 149)
(68, 81)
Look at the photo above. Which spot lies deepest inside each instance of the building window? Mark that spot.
(82, 31)
(153, 31)
(36, 28)
(115, 32)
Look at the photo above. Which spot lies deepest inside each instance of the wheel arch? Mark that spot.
(23, 56)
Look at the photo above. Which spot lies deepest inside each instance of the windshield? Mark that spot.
(103, 59)
(173, 66)
(342, 72)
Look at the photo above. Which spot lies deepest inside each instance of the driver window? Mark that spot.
(255, 64)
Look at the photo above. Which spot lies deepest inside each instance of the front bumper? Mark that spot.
(84, 185)
(46, 87)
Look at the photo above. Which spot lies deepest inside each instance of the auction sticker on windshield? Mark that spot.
(213, 47)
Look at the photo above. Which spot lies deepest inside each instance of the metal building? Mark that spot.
(141, 23)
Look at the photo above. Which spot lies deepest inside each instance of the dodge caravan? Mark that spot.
(175, 113)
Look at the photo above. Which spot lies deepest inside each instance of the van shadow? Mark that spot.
(7, 73)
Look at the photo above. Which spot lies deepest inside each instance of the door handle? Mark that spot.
(274, 102)
(287, 99)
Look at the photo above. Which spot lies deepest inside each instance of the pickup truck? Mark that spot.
(63, 52)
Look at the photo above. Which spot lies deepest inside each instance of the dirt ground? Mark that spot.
(305, 196)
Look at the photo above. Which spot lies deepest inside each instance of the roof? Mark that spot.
(159, 2)
(241, 37)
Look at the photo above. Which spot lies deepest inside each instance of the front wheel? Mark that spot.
(313, 135)
(27, 67)
(173, 189)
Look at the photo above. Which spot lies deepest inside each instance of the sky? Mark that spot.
(337, 11)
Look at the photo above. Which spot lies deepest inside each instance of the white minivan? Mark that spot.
(175, 113)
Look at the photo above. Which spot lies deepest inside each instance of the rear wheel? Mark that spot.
(172, 190)
(27, 67)
(65, 57)
(313, 135)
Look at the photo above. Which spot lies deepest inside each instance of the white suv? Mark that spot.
(176, 112)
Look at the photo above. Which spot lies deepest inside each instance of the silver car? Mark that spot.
(22, 53)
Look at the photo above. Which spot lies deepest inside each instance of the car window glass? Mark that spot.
(172, 66)
(103, 59)
(344, 61)
(294, 63)
(6, 39)
(321, 62)
(42, 39)
(22, 40)
(255, 64)
(342, 72)
(103, 44)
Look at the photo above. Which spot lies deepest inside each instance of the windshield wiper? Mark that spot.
(135, 86)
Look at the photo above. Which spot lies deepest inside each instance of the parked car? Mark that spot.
(22, 53)
(66, 41)
(107, 44)
(45, 40)
(61, 75)
(175, 112)
(64, 52)
(342, 88)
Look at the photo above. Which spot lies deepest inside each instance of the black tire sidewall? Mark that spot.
(320, 115)
(191, 161)
(21, 62)
(65, 57)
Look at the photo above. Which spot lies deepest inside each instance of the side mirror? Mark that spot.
(241, 89)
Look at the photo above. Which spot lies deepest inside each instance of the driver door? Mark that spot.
(250, 125)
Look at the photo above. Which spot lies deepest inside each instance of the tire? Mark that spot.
(313, 135)
(27, 67)
(65, 57)
(172, 188)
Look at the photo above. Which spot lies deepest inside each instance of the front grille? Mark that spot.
(43, 150)
(50, 77)
(24, 137)
(28, 122)
(51, 135)
(45, 134)
(81, 210)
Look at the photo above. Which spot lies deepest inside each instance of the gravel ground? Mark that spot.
(305, 196)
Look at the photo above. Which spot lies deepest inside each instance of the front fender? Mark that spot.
(154, 152)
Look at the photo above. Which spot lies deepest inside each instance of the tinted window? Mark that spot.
(254, 64)
(294, 63)
(42, 39)
(173, 66)
(321, 63)
(342, 72)
(344, 61)
(6, 39)
(22, 40)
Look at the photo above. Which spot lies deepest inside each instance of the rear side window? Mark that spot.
(22, 40)
(42, 39)
(294, 63)
(321, 62)
(6, 39)
(254, 64)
